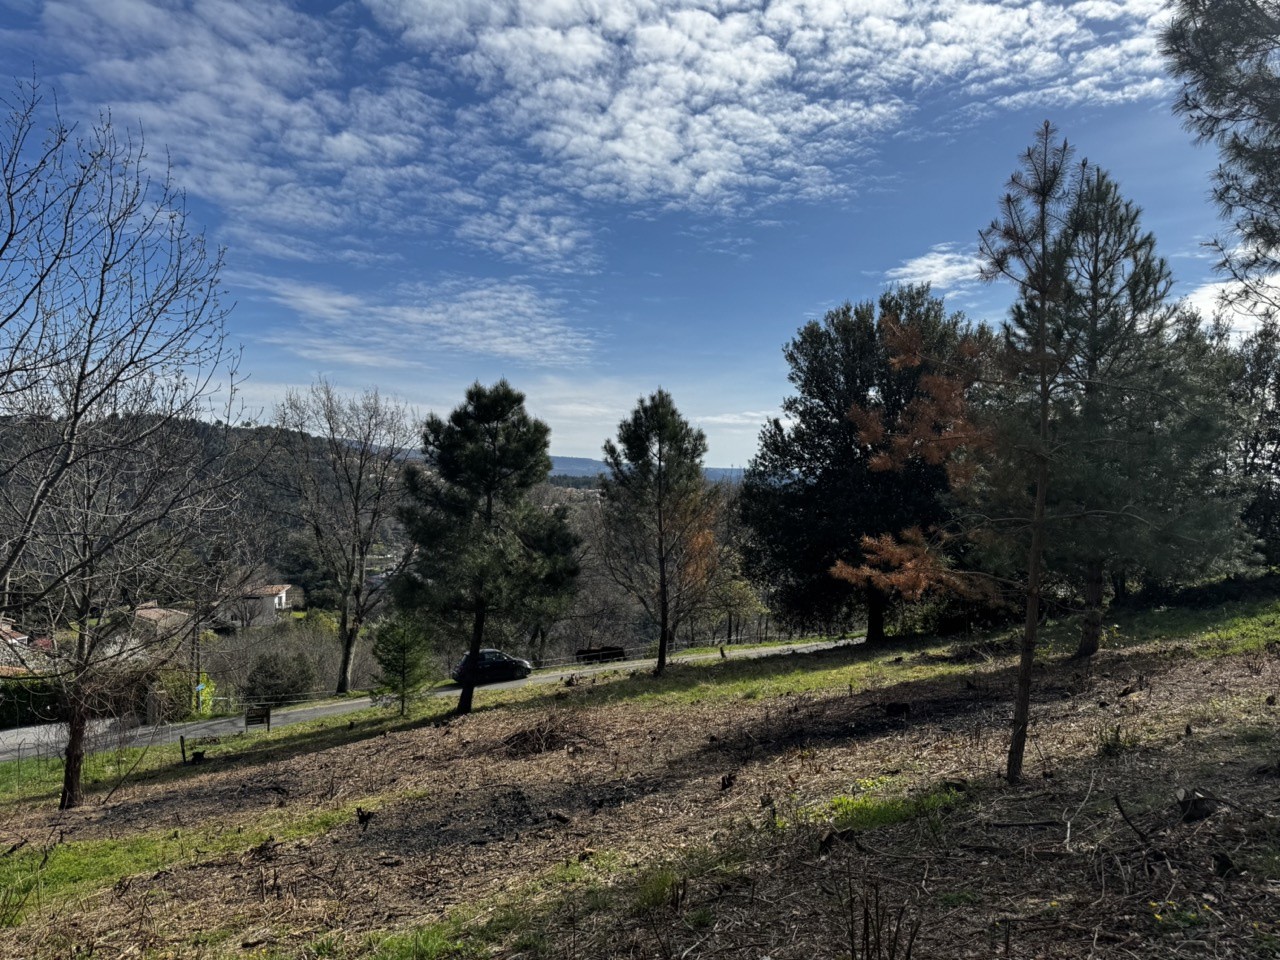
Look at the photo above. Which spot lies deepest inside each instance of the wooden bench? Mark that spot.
(257, 716)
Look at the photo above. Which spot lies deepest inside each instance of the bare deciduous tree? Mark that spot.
(346, 458)
(113, 487)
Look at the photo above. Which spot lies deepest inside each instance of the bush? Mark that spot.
(175, 696)
(27, 702)
(276, 677)
(950, 616)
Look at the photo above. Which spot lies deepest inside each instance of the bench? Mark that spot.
(600, 654)
(257, 717)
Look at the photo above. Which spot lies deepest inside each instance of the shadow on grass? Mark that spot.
(159, 764)
(730, 675)
(421, 825)
(977, 850)
(1240, 617)
(977, 695)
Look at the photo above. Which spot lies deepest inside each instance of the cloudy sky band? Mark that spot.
(469, 188)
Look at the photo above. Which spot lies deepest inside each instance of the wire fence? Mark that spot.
(38, 749)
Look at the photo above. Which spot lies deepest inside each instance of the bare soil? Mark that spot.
(1091, 857)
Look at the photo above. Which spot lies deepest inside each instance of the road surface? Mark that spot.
(47, 740)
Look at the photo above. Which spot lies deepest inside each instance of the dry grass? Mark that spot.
(601, 827)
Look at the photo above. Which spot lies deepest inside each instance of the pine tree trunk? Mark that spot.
(404, 683)
(664, 622)
(1027, 658)
(1091, 628)
(877, 604)
(1120, 585)
(77, 727)
(468, 681)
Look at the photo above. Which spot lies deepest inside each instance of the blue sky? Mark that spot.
(593, 198)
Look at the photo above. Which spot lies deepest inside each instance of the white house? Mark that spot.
(257, 605)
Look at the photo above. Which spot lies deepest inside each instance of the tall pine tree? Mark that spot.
(1227, 54)
(658, 515)
(486, 558)
(1109, 424)
(1138, 489)
(815, 489)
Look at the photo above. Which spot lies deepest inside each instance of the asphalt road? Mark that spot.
(47, 740)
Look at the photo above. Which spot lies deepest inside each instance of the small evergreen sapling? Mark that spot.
(400, 647)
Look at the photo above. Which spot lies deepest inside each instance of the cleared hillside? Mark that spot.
(774, 808)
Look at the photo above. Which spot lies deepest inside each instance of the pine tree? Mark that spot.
(658, 516)
(1022, 246)
(1254, 392)
(817, 487)
(401, 647)
(1109, 409)
(486, 559)
(1140, 418)
(1227, 53)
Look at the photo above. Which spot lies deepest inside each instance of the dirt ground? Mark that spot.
(1091, 857)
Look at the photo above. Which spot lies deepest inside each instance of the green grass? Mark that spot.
(40, 780)
(81, 867)
(958, 898)
(732, 648)
(870, 811)
(1235, 627)
(656, 888)
(520, 919)
(753, 678)
(436, 941)
(1228, 629)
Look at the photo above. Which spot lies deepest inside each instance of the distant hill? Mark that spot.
(587, 467)
(576, 466)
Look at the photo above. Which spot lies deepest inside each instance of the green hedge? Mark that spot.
(24, 703)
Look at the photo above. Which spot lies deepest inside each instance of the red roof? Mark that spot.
(267, 590)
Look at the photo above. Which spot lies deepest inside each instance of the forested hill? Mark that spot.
(587, 467)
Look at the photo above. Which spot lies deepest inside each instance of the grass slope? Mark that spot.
(786, 806)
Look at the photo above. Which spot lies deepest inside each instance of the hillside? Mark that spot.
(586, 467)
(741, 808)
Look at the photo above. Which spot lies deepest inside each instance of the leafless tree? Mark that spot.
(345, 461)
(114, 378)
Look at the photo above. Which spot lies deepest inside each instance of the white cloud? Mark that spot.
(1221, 298)
(311, 301)
(498, 124)
(946, 266)
(532, 230)
(747, 418)
(506, 320)
(695, 104)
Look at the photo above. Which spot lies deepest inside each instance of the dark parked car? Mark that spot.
(493, 666)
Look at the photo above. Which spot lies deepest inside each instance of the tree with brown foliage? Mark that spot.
(818, 488)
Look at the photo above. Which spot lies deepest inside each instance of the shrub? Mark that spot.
(276, 678)
(28, 701)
